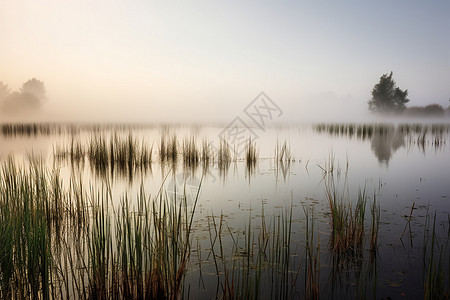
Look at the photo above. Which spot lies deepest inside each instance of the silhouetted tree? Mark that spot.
(4, 91)
(29, 98)
(34, 87)
(21, 102)
(387, 97)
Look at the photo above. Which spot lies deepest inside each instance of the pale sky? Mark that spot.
(206, 60)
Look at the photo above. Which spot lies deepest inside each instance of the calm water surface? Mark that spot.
(399, 168)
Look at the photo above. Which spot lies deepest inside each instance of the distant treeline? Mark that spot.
(389, 99)
(28, 99)
(432, 110)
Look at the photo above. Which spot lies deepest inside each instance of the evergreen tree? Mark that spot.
(387, 97)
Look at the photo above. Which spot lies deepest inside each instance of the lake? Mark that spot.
(200, 211)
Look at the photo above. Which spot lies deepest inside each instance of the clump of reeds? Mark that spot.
(224, 158)
(32, 206)
(422, 139)
(347, 224)
(168, 149)
(191, 155)
(251, 156)
(207, 154)
(99, 251)
(312, 258)
(98, 154)
(153, 247)
(70, 244)
(116, 155)
(283, 153)
(362, 131)
(436, 253)
(283, 159)
(75, 152)
(26, 129)
(259, 263)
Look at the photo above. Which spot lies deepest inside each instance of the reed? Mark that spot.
(251, 157)
(191, 155)
(144, 255)
(419, 133)
(283, 153)
(207, 154)
(75, 153)
(329, 167)
(347, 224)
(312, 258)
(30, 204)
(14, 130)
(436, 253)
(375, 225)
(144, 158)
(59, 243)
(172, 149)
(98, 154)
(259, 263)
(100, 255)
(283, 159)
(117, 155)
(224, 158)
(26, 129)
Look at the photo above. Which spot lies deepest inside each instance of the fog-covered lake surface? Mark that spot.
(242, 202)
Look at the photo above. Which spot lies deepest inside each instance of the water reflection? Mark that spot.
(250, 245)
(223, 159)
(283, 168)
(384, 144)
(386, 139)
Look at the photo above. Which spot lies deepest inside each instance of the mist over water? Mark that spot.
(400, 165)
(219, 110)
(224, 150)
(155, 62)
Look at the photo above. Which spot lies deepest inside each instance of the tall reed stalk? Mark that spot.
(347, 224)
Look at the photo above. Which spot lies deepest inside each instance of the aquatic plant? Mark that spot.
(259, 262)
(191, 155)
(224, 158)
(436, 253)
(251, 157)
(347, 224)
